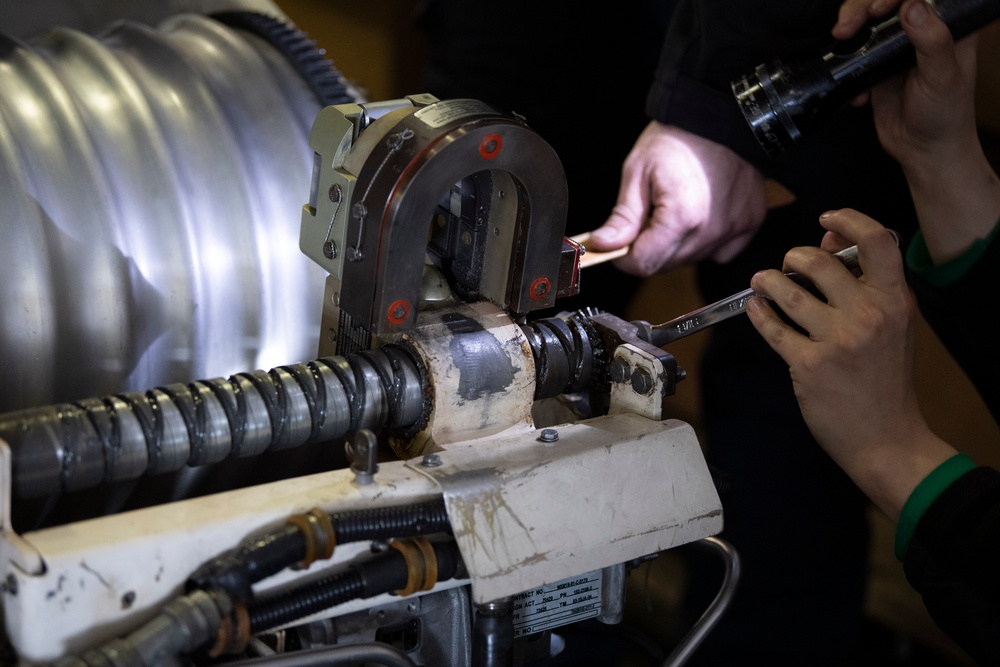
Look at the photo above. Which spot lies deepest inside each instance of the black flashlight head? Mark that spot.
(784, 101)
(781, 102)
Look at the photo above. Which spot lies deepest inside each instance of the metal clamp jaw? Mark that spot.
(455, 184)
(641, 375)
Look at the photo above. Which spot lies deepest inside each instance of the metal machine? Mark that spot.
(506, 464)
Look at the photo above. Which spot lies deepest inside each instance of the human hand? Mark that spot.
(855, 13)
(852, 369)
(682, 198)
(926, 119)
(927, 114)
(927, 106)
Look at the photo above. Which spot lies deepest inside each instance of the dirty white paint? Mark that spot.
(624, 397)
(489, 394)
(105, 577)
(527, 513)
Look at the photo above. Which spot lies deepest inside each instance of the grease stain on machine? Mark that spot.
(483, 365)
(484, 516)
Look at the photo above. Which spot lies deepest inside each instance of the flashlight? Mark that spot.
(785, 101)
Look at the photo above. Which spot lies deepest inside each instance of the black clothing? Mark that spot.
(951, 559)
(798, 522)
(578, 77)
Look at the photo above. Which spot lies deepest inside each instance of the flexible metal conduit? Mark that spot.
(151, 181)
(78, 445)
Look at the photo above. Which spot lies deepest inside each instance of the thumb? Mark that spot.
(627, 217)
(932, 41)
(618, 231)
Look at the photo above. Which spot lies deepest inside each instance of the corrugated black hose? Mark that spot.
(384, 573)
(267, 554)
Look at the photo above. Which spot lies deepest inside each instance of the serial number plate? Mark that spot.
(562, 602)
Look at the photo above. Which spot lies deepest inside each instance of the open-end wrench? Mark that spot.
(685, 325)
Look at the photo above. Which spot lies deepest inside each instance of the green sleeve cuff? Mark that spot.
(940, 275)
(927, 491)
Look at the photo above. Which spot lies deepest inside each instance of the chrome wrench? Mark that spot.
(702, 318)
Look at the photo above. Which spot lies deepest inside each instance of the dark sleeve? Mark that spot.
(963, 318)
(712, 42)
(951, 562)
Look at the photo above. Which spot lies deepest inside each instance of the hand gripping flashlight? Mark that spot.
(783, 101)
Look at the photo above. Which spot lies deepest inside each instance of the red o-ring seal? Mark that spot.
(490, 146)
(540, 288)
(397, 305)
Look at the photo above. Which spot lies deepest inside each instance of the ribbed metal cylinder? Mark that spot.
(72, 446)
(151, 182)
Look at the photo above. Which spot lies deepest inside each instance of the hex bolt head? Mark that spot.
(431, 461)
(618, 370)
(642, 381)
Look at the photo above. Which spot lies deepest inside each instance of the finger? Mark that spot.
(826, 274)
(792, 299)
(655, 249)
(932, 41)
(835, 242)
(879, 256)
(861, 99)
(855, 13)
(627, 217)
(782, 338)
(619, 230)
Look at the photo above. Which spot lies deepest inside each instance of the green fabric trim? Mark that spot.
(940, 275)
(924, 494)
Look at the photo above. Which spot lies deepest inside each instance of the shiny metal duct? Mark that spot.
(151, 181)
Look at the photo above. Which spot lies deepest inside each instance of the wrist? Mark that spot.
(893, 470)
(957, 202)
(933, 162)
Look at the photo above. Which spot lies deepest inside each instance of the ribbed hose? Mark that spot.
(385, 573)
(328, 592)
(269, 553)
(79, 445)
(382, 523)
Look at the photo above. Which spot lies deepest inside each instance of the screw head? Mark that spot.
(548, 435)
(431, 461)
